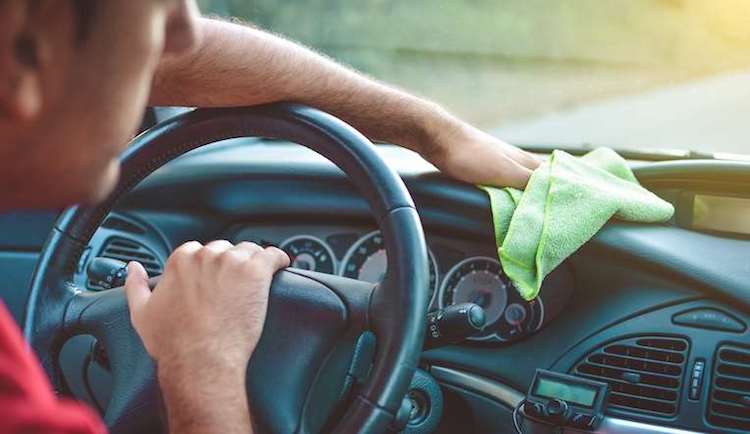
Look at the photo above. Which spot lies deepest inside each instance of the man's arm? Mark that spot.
(207, 397)
(238, 65)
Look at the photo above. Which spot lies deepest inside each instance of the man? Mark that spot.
(75, 76)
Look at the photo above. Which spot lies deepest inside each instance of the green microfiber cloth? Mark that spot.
(566, 202)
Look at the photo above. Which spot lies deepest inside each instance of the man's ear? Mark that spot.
(21, 98)
(20, 80)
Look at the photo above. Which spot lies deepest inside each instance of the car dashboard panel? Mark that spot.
(659, 312)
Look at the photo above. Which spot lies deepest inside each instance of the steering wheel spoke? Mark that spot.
(308, 341)
(313, 321)
(135, 405)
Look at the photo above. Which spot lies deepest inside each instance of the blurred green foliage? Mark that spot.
(612, 31)
(530, 54)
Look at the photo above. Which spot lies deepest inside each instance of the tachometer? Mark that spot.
(482, 281)
(366, 260)
(310, 253)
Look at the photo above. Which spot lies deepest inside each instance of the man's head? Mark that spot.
(75, 76)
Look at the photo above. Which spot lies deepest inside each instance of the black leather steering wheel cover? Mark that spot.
(398, 306)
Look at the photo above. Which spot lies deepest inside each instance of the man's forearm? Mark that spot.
(237, 65)
(209, 399)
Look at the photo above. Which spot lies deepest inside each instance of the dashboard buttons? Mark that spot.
(106, 273)
(709, 318)
(453, 324)
(696, 379)
(476, 316)
(533, 409)
(584, 421)
(556, 409)
(515, 314)
(567, 400)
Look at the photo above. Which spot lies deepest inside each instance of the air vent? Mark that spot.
(729, 406)
(128, 250)
(123, 225)
(644, 373)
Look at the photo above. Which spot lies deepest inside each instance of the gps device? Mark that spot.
(566, 400)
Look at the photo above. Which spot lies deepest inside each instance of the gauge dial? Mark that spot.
(366, 260)
(482, 281)
(310, 253)
(521, 318)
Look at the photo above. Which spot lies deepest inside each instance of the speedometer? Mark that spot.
(309, 253)
(366, 260)
(482, 281)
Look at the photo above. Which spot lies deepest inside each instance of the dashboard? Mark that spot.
(641, 307)
(460, 272)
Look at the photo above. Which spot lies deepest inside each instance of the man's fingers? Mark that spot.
(136, 287)
(182, 254)
(508, 171)
(527, 160)
(522, 157)
(513, 175)
(219, 246)
(249, 247)
(277, 257)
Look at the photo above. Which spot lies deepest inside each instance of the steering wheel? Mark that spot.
(306, 358)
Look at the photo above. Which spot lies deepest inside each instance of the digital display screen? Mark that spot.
(721, 213)
(572, 393)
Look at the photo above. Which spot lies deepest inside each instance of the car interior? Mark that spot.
(642, 330)
(657, 312)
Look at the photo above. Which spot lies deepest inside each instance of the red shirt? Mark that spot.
(27, 403)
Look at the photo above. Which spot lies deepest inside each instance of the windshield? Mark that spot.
(629, 74)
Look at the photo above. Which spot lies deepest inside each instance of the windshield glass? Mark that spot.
(629, 74)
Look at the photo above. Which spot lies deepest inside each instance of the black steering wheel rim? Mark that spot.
(395, 310)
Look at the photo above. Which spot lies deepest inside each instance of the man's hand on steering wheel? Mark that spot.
(202, 323)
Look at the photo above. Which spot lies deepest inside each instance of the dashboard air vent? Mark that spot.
(128, 250)
(644, 373)
(123, 225)
(729, 406)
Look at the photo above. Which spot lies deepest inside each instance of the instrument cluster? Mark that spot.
(475, 279)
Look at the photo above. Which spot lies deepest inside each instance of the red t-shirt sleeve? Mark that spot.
(27, 403)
